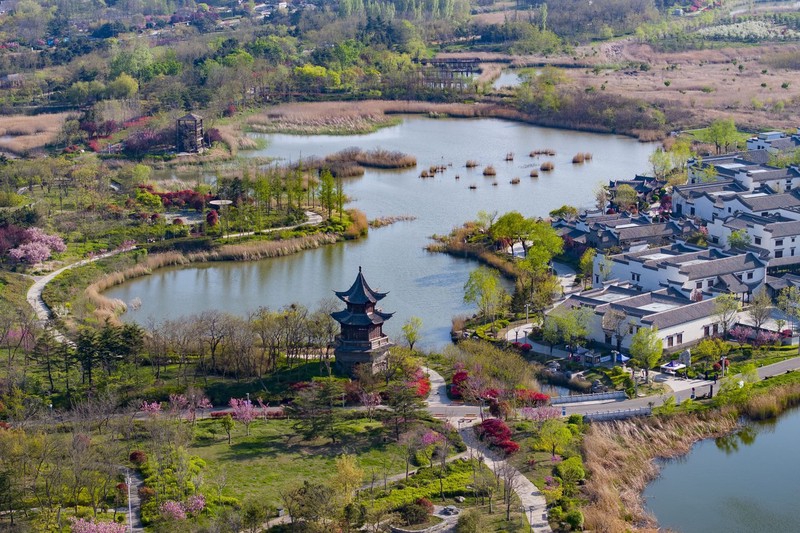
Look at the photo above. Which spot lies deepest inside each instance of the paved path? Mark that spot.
(312, 219)
(440, 405)
(43, 313)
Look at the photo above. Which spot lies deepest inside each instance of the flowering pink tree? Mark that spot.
(152, 408)
(429, 440)
(740, 334)
(36, 246)
(172, 511)
(195, 503)
(82, 525)
(244, 412)
(370, 400)
(765, 338)
(540, 414)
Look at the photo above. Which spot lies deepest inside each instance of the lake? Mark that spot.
(419, 283)
(744, 482)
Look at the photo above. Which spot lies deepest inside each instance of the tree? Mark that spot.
(411, 330)
(405, 405)
(586, 264)
(789, 303)
(738, 239)
(554, 435)
(760, 308)
(722, 134)
(567, 212)
(327, 190)
(483, 289)
(625, 196)
(601, 196)
(661, 163)
(124, 87)
(726, 308)
(244, 412)
(347, 479)
(513, 227)
(572, 325)
(646, 349)
(709, 350)
(614, 323)
(228, 424)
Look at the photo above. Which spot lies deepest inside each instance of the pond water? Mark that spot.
(420, 283)
(507, 78)
(743, 482)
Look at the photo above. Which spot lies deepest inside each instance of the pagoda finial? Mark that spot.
(359, 269)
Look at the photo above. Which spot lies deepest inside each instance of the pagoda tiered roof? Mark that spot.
(349, 318)
(360, 293)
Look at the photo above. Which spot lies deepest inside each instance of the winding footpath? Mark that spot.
(441, 406)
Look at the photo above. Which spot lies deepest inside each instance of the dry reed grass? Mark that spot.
(534, 173)
(547, 166)
(514, 181)
(28, 133)
(489, 171)
(387, 221)
(580, 157)
(472, 163)
(619, 456)
(359, 225)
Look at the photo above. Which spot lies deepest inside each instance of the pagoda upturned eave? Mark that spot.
(376, 317)
(360, 292)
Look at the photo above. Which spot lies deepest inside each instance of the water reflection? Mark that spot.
(730, 443)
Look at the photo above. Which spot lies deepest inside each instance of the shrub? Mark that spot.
(509, 447)
(146, 493)
(138, 457)
(574, 520)
(471, 521)
(426, 503)
(494, 430)
(413, 513)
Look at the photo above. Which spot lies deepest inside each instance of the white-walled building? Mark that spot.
(685, 270)
(774, 141)
(680, 322)
(723, 199)
(739, 168)
(777, 237)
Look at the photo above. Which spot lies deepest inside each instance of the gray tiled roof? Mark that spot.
(784, 228)
(681, 315)
(723, 265)
(771, 201)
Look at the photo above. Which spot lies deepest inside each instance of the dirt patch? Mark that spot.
(21, 134)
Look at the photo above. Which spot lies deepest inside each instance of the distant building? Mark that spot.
(361, 341)
(774, 141)
(189, 134)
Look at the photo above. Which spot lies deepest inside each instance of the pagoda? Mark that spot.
(361, 341)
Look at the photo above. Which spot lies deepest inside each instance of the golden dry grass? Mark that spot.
(489, 171)
(28, 133)
(619, 456)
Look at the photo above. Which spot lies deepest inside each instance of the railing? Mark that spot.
(619, 414)
(615, 395)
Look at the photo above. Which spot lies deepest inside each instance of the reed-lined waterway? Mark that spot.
(420, 283)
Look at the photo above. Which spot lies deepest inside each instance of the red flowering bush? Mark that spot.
(138, 457)
(459, 378)
(509, 447)
(525, 348)
(531, 398)
(146, 493)
(426, 504)
(494, 430)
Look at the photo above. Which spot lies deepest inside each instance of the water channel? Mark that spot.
(420, 283)
(743, 482)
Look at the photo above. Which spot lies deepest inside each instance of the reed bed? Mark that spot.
(455, 245)
(489, 171)
(578, 158)
(515, 181)
(510, 156)
(387, 221)
(547, 166)
(770, 405)
(425, 174)
(619, 456)
(534, 173)
(378, 158)
(543, 151)
(359, 225)
(346, 170)
(471, 163)
(26, 133)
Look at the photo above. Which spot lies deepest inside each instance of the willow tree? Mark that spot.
(483, 288)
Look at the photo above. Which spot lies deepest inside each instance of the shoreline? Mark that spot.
(623, 456)
(368, 116)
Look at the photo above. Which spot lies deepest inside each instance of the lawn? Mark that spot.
(274, 456)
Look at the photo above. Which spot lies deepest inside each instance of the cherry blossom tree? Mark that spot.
(82, 525)
(244, 412)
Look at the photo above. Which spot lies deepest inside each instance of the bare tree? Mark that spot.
(510, 477)
(760, 308)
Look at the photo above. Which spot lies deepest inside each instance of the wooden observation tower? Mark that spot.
(361, 341)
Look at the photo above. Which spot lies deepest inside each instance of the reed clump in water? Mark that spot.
(580, 157)
(471, 163)
(386, 221)
(543, 151)
(378, 158)
(359, 226)
(534, 173)
(489, 171)
(514, 181)
(547, 166)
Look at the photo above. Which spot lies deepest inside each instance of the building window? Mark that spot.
(692, 211)
(791, 251)
(779, 242)
(729, 210)
(608, 338)
(716, 329)
(680, 338)
(635, 277)
(597, 278)
(670, 341)
(749, 275)
(710, 282)
(758, 240)
(706, 331)
(698, 285)
(778, 254)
